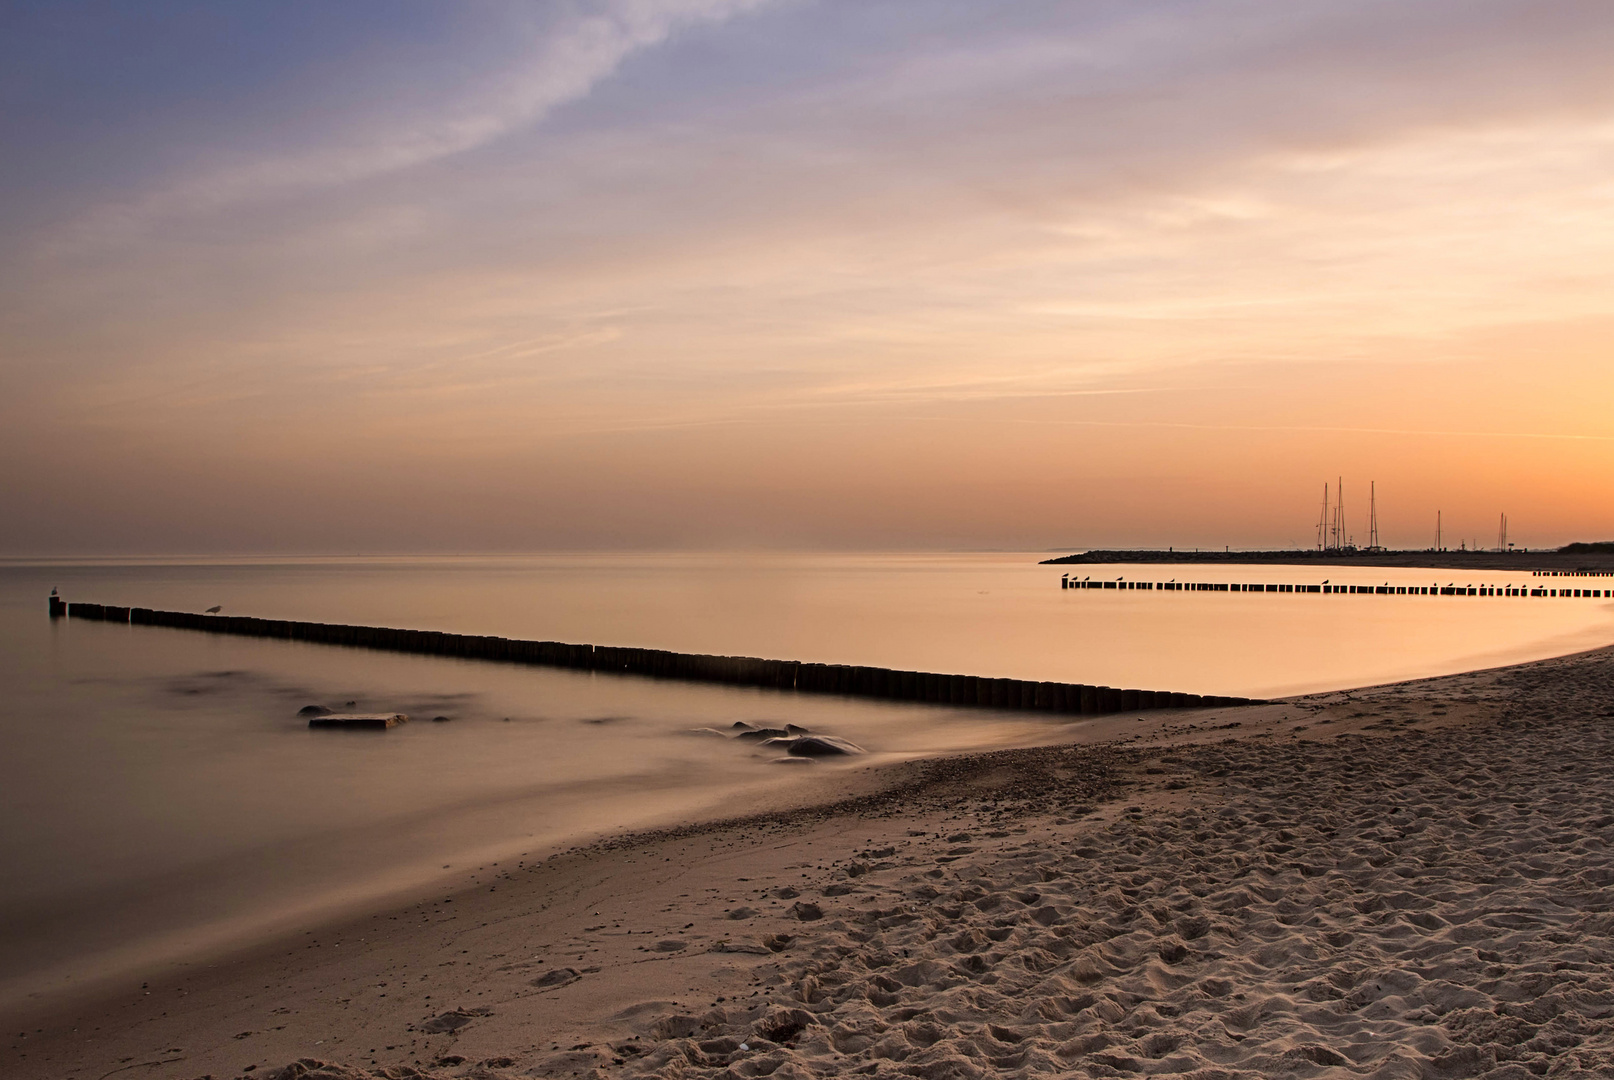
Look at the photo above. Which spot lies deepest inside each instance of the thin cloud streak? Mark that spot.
(563, 64)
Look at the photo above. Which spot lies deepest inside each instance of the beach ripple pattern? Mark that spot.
(1423, 906)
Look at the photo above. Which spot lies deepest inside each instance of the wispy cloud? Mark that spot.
(566, 54)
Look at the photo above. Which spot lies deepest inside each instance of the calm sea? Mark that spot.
(159, 796)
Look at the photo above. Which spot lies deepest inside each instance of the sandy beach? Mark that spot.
(1405, 881)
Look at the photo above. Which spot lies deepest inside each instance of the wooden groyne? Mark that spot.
(1539, 591)
(793, 675)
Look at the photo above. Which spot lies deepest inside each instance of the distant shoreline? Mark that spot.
(1555, 561)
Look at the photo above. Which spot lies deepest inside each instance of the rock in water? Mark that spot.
(359, 721)
(313, 710)
(824, 746)
(743, 730)
(763, 733)
(814, 746)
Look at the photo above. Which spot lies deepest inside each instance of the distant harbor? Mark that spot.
(1571, 559)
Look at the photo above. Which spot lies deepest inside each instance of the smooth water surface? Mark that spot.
(161, 796)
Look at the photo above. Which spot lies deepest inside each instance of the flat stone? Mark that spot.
(364, 721)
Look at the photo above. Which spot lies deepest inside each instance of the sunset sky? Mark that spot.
(393, 277)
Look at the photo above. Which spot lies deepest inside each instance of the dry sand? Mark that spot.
(1407, 881)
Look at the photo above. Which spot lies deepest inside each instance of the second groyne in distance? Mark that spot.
(1555, 591)
(788, 675)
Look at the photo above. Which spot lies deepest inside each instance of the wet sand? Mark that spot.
(1406, 881)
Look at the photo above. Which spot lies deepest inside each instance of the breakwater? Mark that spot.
(1576, 557)
(1554, 591)
(787, 675)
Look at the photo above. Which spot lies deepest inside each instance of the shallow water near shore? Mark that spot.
(161, 796)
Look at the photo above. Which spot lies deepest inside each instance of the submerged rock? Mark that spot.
(313, 710)
(824, 746)
(759, 733)
(743, 730)
(359, 721)
(814, 746)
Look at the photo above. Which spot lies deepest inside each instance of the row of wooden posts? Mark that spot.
(846, 679)
(1068, 582)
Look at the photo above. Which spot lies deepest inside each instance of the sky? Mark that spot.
(662, 274)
